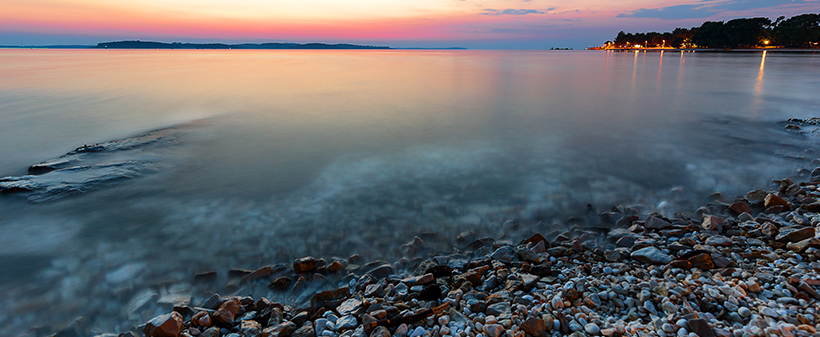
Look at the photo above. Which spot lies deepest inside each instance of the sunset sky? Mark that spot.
(490, 24)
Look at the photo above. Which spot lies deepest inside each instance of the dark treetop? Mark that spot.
(801, 31)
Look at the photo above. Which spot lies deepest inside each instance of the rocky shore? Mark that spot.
(742, 267)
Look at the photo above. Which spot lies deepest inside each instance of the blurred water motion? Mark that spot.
(288, 153)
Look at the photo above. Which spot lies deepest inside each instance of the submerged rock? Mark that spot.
(91, 167)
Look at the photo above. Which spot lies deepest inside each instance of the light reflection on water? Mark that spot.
(333, 153)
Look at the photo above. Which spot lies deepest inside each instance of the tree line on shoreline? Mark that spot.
(801, 31)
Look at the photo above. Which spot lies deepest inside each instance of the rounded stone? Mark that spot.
(592, 329)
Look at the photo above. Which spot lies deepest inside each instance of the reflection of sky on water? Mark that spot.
(332, 153)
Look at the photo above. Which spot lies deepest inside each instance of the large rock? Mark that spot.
(417, 280)
(656, 223)
(756, 197)
(702, 261)
(535, 327)
(168, 325)
(350, 307)
(651, 255)
(250, 328)
(795, 234)
(719, 240)
(284, 329)
(700, 327)
(304, 264)
(382, 271)
(772, 200)
(498, 309)
(712, 223)
(802, 245)
(380, 331)
(504, 254)
(305, 331)
(226, 313)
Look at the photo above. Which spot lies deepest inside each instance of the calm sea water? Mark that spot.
(279, 154)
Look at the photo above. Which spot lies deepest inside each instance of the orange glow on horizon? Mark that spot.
(350, 20)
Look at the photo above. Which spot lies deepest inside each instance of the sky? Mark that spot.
(474, 24)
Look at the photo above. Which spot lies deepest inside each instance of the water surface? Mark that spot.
(279, 154)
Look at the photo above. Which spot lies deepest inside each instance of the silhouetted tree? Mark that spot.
(798, 31)
(749, 32)
(711, 34)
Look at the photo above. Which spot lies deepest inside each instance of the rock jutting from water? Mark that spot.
(745, 268)
(92, 167)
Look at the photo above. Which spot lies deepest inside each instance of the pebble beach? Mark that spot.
(737, 266)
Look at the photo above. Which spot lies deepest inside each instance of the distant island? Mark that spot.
(274, 45)
(137, 44)
(801, 31)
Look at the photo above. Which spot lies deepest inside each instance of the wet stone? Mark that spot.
(226, 313)
(700, 327)
(349, 307)
(656, 223)
(795, 234)
(304, 264)
(719, 240)
(250, 328)
(534, 327)
(739, 208)
(380, 331)
(416, 280)
(498, 309)
(772, 200)
(651, 255)
(803, 245)
(305, 331)
(504, 254)
(494, 330)
(168, 325)
(283, 329)
(382, 271)
(346, 323)
(712, 223)
(592, 329)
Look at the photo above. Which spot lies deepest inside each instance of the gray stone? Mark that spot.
(651, 255)
(416, 280)
(504, 254)
(795, 234)
(284, 329)
(656, 223)
(349, 307)
(382, 271)
(305, 331)
(380, 331)
(498, 309)
(346, 323)
(719, 240)
(592, 329)
(210, 332)
(494, 330)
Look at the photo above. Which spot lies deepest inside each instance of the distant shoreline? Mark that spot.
(713, 50)
(222, 46)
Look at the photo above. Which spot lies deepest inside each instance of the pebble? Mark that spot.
(592, 329)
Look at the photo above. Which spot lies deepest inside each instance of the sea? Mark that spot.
(164, 164)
